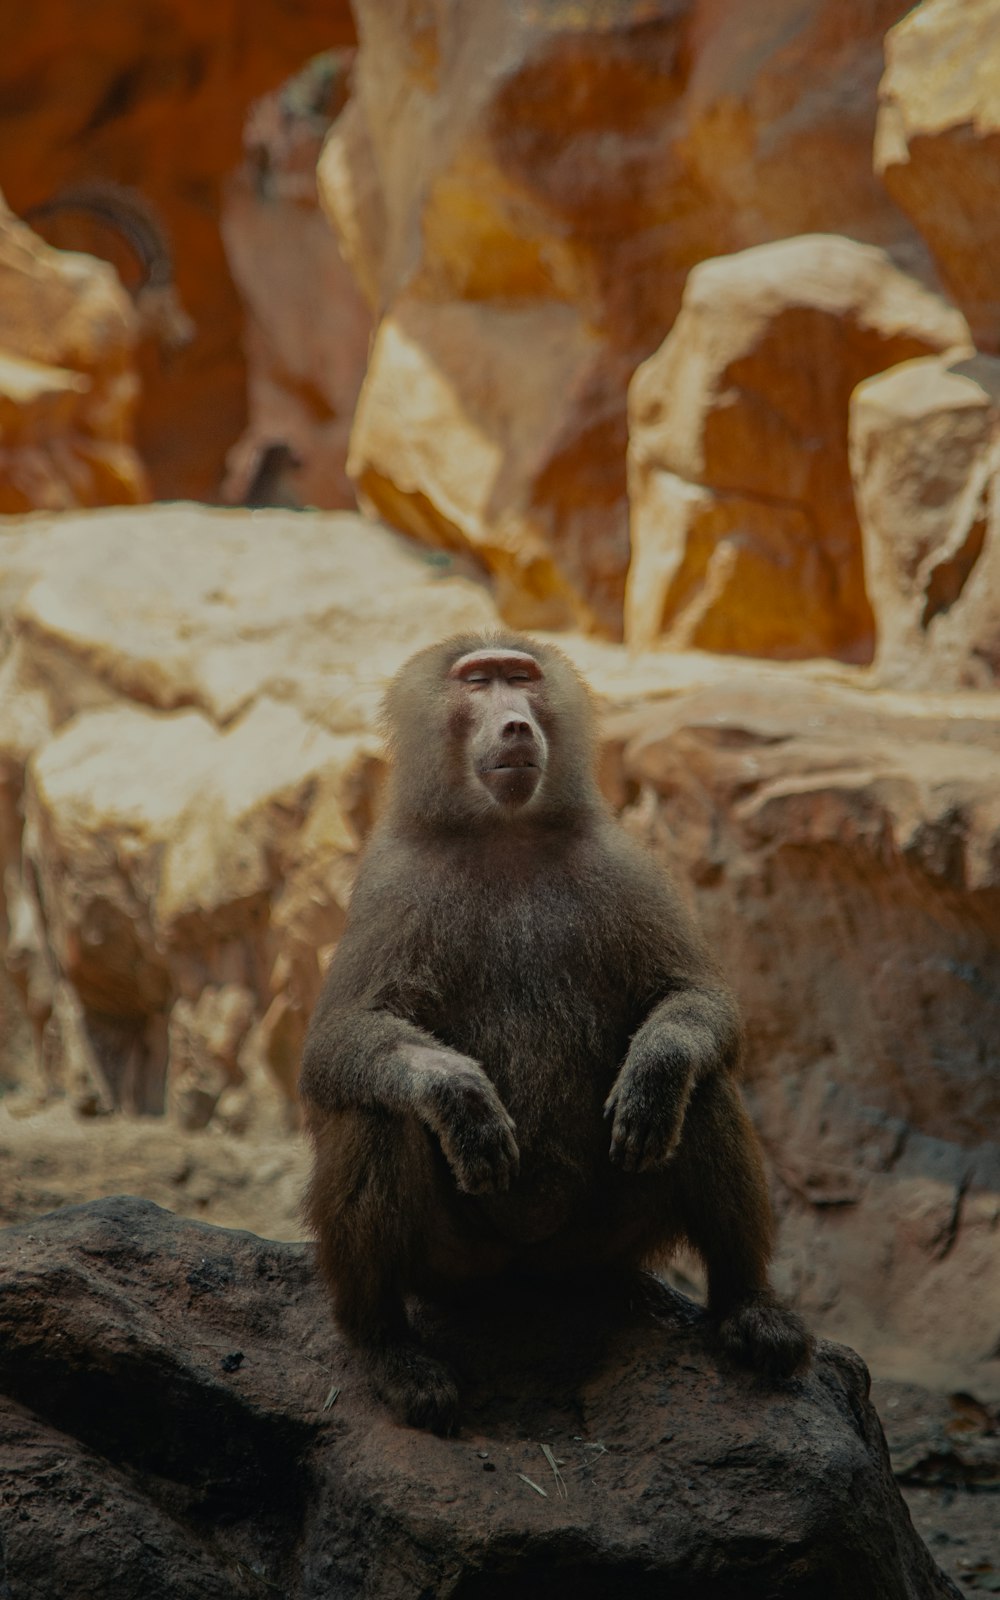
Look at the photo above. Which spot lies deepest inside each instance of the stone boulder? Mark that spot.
(925, 459)
(521, 192)
(187, 733)
(937, 146)
(307, 323)
(68, 381)
(744, 532)
(155, 95)
(841, 851)
(180, 1420)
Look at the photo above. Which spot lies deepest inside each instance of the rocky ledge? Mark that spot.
(180, 1420)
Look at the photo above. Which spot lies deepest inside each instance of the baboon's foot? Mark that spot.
(761, 1333)
(417, 1389)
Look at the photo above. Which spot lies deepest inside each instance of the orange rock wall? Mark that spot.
(155, 96)
(522, 191)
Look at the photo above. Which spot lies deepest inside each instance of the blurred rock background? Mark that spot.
(668, 326)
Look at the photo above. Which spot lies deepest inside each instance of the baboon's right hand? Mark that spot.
(459, 1103)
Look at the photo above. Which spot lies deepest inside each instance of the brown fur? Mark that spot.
(518, 986)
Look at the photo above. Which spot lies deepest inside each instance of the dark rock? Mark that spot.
(141, 1459)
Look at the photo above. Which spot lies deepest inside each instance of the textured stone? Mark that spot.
(841, 851)
(521, 192)
(154, 95)
(937, 146)
(186, 732)
(925, 459)
(180, 606)
(426, 457)
(179, 1416)
(744, 531)
(780, 114)
(68, 381)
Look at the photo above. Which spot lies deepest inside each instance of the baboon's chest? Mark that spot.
(535, 992)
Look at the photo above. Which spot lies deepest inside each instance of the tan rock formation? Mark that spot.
(937, 146)
(186, 727)
(925, 458)
(427, 456)
(68, 383)
(161, 856)
(308, 325)
(744, 533)
(179, 605)
(155, 96)
(521, 191)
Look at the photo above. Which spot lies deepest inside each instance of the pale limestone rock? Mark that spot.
(744, 533)
(937, 146)
(192, 696)
(780, 113)
(351, 197)
(182, 605)
(158, 845)
(925, 458)
(102, 799)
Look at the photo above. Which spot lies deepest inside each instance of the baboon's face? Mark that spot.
(497, 707)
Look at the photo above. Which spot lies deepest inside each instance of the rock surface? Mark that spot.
(68, 381)
(780, 113)
(155, 95)
(186, 732)
(925, 460)
(744, 532)
(180, 1416)
(937, 146)
(521, 192)
(841, 850)
(307, 323)
(248, 1176)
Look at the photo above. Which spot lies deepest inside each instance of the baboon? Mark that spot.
(523, 1056)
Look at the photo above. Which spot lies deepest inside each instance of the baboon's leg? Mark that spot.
(719, 1200)
(372, 1201)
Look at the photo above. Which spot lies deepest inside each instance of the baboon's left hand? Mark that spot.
(646, 1108)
